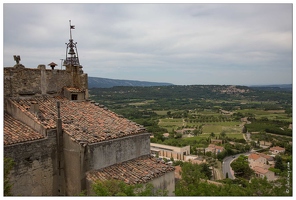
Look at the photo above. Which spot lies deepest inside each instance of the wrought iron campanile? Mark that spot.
(72, 60)
(71, 51)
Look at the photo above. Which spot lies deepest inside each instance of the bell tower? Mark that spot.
(72, 60)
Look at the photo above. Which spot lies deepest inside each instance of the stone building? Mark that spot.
(214, 149)
(61, 142)
(277, 150)
(260, 163)
(167, 151)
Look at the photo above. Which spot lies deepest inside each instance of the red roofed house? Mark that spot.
(260, 159)
(61, 142)
(276, 150)
(214, 149)
(262, 172)
(260, 163)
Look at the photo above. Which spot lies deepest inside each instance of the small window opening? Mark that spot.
(74, 97)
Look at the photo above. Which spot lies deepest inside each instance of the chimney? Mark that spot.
(34, 107)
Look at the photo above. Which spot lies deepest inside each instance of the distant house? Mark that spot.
(260, 159)
(276, 150)
(261, 172)
(265, 143)
(260, 163)
(214, 149)
(169, 151)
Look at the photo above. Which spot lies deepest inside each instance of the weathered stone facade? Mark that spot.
(108, 153)
(40, 81)
(35, 168)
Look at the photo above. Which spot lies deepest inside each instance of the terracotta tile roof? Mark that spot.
(16, 132)
(213, 146)
(260, 170)
(83, 121)
(277, 148)
(254, 156)
(139, 170)
(265, 156)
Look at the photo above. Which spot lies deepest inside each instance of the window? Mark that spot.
(74, 97)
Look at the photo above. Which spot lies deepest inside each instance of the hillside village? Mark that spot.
(260, 163)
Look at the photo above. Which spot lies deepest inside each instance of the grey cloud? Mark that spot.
(178, 40)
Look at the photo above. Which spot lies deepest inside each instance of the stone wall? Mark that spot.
(79, 159)
(73, 166)
(28, 81)
(165, 182)
(108, 153)
(34, 172)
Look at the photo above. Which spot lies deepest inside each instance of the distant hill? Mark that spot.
(97, 82)
(276, 87)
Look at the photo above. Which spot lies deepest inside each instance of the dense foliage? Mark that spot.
(8, 165)
(241, 167)
(269, 126)
(194, 97)
(193, 183)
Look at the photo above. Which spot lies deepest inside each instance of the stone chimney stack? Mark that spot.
(34, 107)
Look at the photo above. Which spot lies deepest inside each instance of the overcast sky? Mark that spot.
(184, 44)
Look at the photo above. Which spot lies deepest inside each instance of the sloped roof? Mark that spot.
(277, 148)
(260, 170)
(213, 146)
(83, 121)
(17, 132)
(269, 158)
(139, 170)
(254, 156)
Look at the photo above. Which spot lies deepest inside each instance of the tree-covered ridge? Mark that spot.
(187, 97)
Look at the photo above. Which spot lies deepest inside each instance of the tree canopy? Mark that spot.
(241, 167)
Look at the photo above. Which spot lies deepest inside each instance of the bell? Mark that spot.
(71, 51)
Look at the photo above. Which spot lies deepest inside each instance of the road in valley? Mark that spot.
(226, 165)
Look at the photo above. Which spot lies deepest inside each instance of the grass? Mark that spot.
(170, 124)
(270, 114)
(206, 135)
(215, 127)
(232, 128)
(161, 112)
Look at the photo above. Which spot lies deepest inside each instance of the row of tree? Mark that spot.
(269, 126)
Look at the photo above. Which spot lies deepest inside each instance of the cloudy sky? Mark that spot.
(184, 44)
